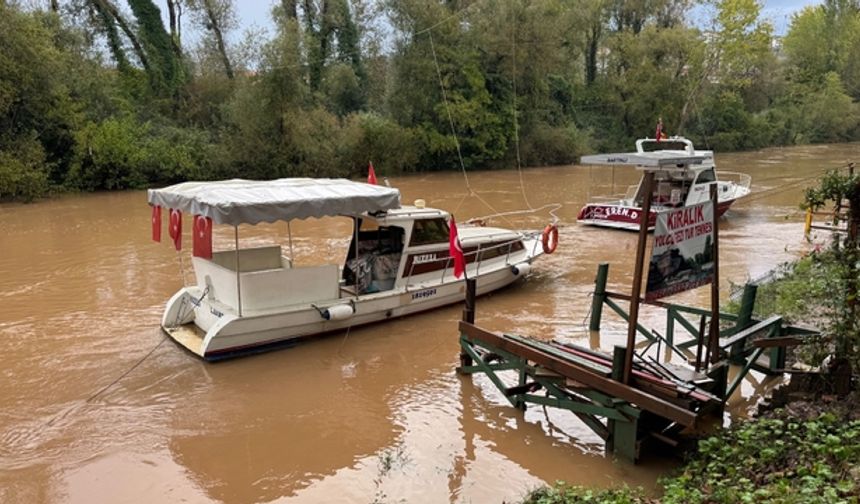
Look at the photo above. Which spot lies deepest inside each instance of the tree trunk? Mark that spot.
(219, 37)
(289, 7)
(174, 10)
(111, 9)
(55, 6)
(591, 54)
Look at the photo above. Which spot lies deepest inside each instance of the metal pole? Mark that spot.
(637, 275)
(715, 285)
(290, 234)
(238, 283)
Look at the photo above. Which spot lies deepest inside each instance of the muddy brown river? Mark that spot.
(97, 406)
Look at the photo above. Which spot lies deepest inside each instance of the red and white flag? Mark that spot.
(174, 229)
(371, 173)
(156, 223)
(659, 133)
(455, 249)
(202, 243)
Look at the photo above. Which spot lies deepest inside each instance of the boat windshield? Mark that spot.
(706, 176)
(427, 231)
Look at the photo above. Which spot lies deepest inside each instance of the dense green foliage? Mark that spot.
(771, 460)
(98, 94)
(780, 460)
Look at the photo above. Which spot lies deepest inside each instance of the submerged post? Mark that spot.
(637, 274)
(469, 315)
(599, 296)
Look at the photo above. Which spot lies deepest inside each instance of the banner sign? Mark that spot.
(683, 255)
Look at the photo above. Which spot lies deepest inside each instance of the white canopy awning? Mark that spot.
(656, 159)
(239, 201)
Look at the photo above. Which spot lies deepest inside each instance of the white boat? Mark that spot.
(398, 264)
(682, 177)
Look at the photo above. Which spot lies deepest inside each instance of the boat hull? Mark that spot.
(229, 335)
(620, 216)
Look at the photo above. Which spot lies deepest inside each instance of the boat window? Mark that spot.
(428, 231)
(706, 176)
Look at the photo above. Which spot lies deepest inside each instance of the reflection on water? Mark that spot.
(373, 414)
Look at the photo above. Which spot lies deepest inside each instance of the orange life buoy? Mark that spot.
(549, 238)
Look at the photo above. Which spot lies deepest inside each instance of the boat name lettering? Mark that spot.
(616, 160)
(622, 211)
(215, 312)
(424, 258)
(424, 294)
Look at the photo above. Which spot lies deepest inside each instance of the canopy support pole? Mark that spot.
(355, 273)
(236, 257)
(290, 234)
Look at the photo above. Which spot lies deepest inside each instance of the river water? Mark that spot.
(375, 414)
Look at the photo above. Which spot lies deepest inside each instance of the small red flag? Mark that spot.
(174, 229)
(455, 249)
(202, 243)
(371, 174)
(156, 223)
(659, 133)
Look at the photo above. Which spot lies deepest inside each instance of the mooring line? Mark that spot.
(129, 370)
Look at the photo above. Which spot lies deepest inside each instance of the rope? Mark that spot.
(452, 16)
(516, 120)
(453, 129)
(132, 368)
(471, 191)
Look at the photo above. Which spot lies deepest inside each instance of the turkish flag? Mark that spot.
(659, 133)
(202, 243)
(455, 249)
(156, 223)
(174, 229)
(371, 174)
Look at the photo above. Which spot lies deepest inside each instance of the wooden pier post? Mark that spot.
(744, 319)
(599, 296)
(644, 221)
(469, 315)
(714, 342)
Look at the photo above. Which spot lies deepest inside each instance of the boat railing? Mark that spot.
(740, 180)
(505, 248)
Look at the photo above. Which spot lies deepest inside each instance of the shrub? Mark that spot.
(23, 173)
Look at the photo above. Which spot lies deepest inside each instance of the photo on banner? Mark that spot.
(683, 254)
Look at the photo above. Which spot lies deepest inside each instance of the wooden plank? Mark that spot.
(661, 304)
(602, 384)
(749, 331)
(777, 342)
(601, 369)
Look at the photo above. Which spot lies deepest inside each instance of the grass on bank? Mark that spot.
(783, 459)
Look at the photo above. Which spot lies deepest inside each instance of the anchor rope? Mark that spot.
(129, 370)
(471, 191)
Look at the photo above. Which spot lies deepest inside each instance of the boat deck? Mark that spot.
(190, 336)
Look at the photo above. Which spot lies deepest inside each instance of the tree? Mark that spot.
(216, 17)
(826, 38)
(843, 309)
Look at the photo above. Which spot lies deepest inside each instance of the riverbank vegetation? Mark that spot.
(806, 455)
(102, 94)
